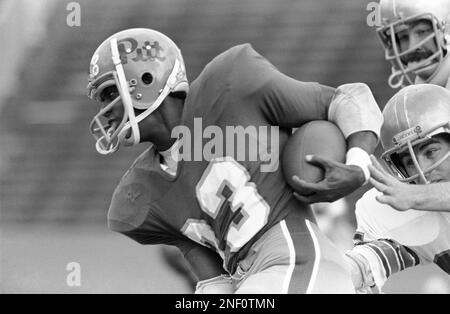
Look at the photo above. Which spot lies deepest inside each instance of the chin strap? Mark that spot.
(396, 79)
(133, 138)
(442, 76)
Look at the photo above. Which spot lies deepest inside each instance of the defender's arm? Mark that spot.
(207, 267)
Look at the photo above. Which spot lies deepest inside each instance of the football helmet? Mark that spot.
(145, 66)
(411, 117)
(395, 13)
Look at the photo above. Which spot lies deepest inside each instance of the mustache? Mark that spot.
(417, 56)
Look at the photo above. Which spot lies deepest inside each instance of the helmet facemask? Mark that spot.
(405, 143)
(401, 74)
(105, 132)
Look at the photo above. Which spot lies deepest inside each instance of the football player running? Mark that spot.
(240, 228)
(416, 141)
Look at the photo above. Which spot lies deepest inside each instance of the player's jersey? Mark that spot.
(419, 237)
(224, 202)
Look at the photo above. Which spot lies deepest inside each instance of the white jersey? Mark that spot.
(409, 238)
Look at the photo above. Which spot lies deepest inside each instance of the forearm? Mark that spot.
(432, 197)
(366, 140)
(359, 146)
(204, 263)
(207, 266)
(354, 110)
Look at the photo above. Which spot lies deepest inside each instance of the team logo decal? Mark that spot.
(150, 51)
(404, 136)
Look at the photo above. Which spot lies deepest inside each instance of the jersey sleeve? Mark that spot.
(290, 103)
(131, 210)
(283, 100)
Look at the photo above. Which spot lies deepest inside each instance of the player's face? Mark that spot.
(410, 36)
(115, 114)
(428, 153)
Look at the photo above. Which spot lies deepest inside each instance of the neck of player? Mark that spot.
(157, 127)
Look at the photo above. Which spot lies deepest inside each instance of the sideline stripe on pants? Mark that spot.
(297, 267)
(312, 281)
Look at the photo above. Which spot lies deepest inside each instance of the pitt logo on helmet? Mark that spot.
(150, 51)
(153, 51)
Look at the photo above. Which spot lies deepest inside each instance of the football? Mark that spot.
(321, 138)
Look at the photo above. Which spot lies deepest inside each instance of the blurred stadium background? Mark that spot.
(55, 189)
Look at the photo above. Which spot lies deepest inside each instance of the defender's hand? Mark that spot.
(399, 195)
(339, 181)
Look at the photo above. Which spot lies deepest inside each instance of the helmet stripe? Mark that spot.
(405, 111)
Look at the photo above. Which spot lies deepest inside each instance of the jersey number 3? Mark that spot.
(225, 192)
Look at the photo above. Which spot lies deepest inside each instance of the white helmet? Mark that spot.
(412, 116)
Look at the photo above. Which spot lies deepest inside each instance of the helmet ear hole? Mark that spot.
(147, 78)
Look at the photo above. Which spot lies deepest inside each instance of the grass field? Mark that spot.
(34, 259)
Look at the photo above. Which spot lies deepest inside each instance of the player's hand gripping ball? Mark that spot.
(320, 138)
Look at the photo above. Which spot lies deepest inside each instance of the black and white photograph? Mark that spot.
(221, 147)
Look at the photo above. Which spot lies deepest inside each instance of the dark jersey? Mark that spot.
(223, 196)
